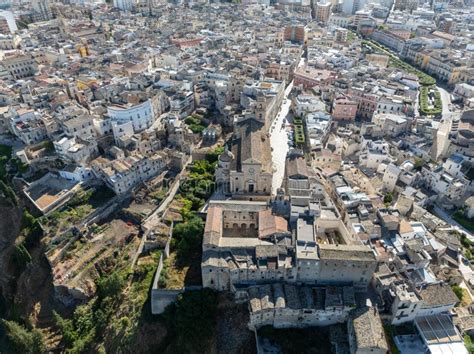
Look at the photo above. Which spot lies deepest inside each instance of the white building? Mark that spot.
(182, 104)
(390, 177)
(79, 127)
(27, 126)
(318, 126)
(340, 20)
(448, 188)
(463, 90)
(122, 175)
(76, 150)
(405, 304)
(352, 6)
(122, 130)
(304, 104)
(76, 173)
(9, 42)
(41, 10)
(102, 125)
(140, 115)
(373, 153)
(391, 124)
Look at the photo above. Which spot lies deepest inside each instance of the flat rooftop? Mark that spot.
(346, 252)
(48, 190)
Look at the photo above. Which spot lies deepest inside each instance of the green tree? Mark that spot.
(111, 285)
(83, 345)
(465, 241)
(213, 156)
(84, 319)
(419, 163)
(27, 220)
(468, 254)
(188, 235)
(468, 343)
(66, 327)
(22, 340)
(388, 198)
(8, 192)
(192, 320)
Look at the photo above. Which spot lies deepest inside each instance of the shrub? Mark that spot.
(21, 256)
(111, 285)
(458, 291)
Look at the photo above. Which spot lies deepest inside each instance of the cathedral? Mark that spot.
(245, 170)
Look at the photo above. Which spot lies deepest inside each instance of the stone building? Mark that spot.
(246, 243)
(289, 306)
(247, 168)
(366, 333)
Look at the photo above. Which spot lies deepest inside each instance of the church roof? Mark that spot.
(251, 145)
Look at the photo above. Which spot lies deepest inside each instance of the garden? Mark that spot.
(195, 123)
(299, 131)
(430, 101)
(182, 267)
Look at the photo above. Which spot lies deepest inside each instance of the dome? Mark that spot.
(226, 156)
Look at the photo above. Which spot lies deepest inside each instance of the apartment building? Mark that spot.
(322, 11)
(389, 40)
(295, 34)
(122, 175)
(76, 150)
(19, 65)
(308, 77)
(344, 109)
(140, 115)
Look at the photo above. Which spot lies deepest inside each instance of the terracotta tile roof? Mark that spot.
(214, 219)
(269, 224)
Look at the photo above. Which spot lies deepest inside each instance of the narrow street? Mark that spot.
(155, 218)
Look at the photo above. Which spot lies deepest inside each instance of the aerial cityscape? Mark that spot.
(245, 176)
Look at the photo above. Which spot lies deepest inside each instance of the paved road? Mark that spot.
(279, 138)
(279, 141)
(466, 271)
(446, 100)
